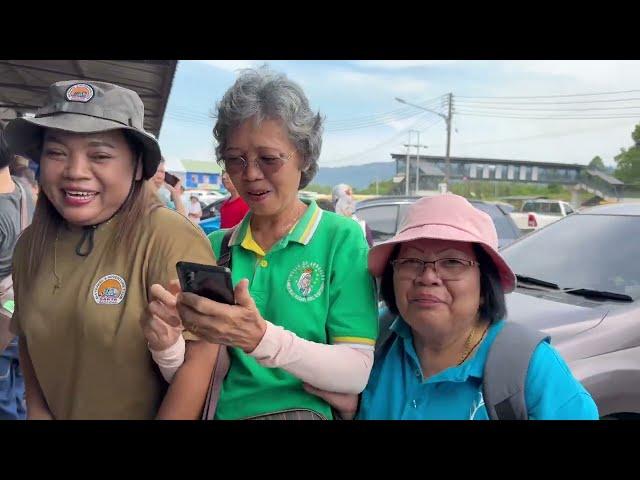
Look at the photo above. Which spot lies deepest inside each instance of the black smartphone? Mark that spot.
(208, 281)
(171, 179)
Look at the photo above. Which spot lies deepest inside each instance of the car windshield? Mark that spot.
(602, 257)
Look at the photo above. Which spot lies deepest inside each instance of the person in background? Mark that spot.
(13, 197)
(344, 204)
(235, 208)
(169, 195)
(195, 210)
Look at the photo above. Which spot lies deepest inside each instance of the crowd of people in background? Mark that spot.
(95, 325)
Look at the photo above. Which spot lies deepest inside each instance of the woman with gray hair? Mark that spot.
(305, 309)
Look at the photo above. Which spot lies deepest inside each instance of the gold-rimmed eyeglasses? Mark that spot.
(445, 268)
(268, 163)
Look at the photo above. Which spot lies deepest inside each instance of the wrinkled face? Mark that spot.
(158, 178)
(271, 193)
(87, 177)
(431, 305)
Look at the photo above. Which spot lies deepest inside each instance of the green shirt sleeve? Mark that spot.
(353, 310)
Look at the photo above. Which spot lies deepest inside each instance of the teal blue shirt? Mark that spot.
(397, 390)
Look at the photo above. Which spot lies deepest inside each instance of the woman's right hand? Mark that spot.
(161, 323)
(345, 403)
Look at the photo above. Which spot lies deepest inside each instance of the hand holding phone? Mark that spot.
(171, 179)
(207, 281)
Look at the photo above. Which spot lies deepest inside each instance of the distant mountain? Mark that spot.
(358, 176)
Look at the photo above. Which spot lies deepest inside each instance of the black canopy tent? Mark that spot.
(24, 83)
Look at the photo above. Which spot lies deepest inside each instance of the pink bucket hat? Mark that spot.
(445, 217)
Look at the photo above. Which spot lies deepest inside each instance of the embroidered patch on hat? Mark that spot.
(109, 290)
(80, 92)
(306, 282)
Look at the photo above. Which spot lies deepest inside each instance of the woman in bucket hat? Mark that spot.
(84, 268)
(444, 280)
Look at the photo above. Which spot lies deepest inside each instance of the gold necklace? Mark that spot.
(467, 351)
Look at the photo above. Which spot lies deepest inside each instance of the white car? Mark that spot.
(205, 196)
(540, 213)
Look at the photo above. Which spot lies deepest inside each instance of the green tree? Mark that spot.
(628, 168)
(597, 164)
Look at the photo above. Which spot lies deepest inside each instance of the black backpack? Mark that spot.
(505, 371)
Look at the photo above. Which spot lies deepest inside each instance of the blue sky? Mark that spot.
(365, 124)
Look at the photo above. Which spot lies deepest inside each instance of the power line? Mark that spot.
(550, 109)
(556, 117)
(534, 103)
(419, 124)
(558, 96)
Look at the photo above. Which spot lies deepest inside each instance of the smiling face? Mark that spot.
(428, 304)
(87, 177)
(266, 194)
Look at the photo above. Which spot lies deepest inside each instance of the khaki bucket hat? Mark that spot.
(85, 107)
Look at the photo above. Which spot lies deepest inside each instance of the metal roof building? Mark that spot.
(24, 83)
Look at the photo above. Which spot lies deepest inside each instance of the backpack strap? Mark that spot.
(225, 252)
(223, 361)
(386, 336)
(505, 371)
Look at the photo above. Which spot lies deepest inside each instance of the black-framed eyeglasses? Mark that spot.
(268, 163)
(446, 268)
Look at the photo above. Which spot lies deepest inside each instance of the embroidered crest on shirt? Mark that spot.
(109, 290)
(306, 282)
(478, 403)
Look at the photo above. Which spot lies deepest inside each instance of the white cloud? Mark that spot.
(392, 84)
(596, 73)
(231, 65)
(399, 64)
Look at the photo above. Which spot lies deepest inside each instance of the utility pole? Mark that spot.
(418, 164)
(447, 119)
(406, 174)
(418, 146)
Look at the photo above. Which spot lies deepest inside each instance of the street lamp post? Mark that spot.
(447, 119)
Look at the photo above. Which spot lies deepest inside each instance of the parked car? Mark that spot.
(385, 214)
(206, 196)
(539, 213)
(211, 224)
(579, 281)
(212, 209)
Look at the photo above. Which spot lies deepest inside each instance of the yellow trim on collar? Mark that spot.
(364, 341)
(250, 244)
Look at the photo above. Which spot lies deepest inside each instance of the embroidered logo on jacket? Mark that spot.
(306, 282)
(109, 290)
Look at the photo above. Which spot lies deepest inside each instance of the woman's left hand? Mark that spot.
(239, 325)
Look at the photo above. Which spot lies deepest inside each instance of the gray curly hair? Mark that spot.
(264, 94)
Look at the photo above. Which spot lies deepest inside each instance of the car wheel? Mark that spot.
(622, 416)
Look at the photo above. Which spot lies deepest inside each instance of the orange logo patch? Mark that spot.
(80, 92)
(109, 290)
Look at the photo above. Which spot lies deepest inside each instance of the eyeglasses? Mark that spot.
(267, 163)
(446, 268)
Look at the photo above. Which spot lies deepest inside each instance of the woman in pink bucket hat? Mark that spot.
(449, 353)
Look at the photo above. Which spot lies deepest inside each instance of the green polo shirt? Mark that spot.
(313, 282)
